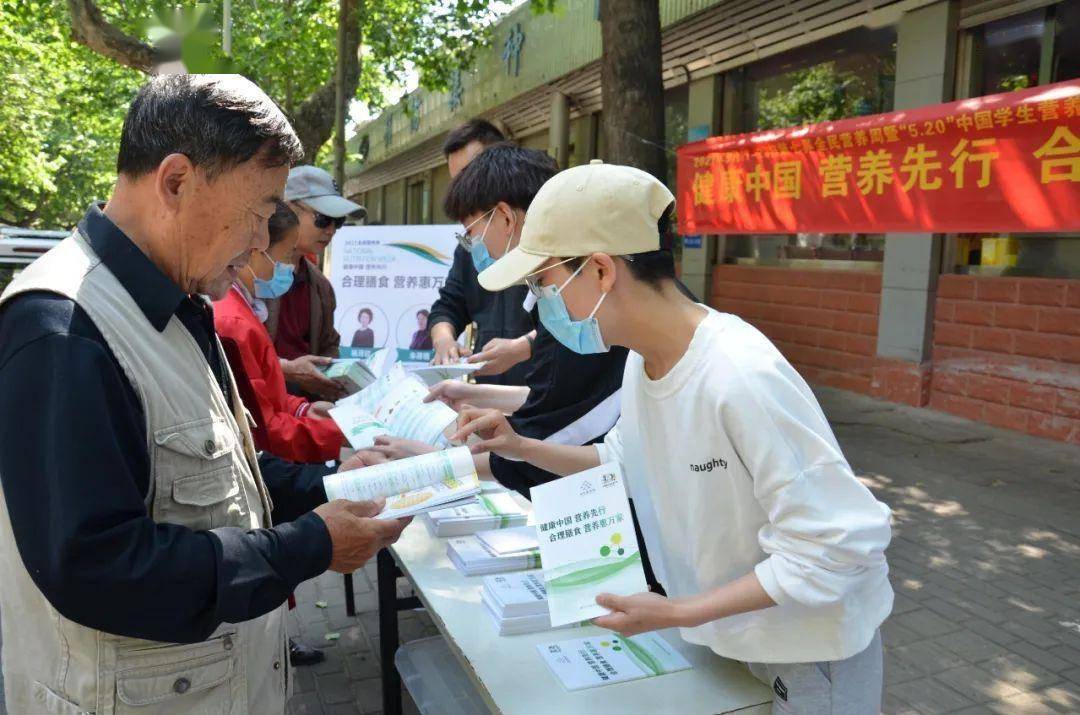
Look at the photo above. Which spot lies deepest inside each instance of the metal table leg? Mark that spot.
(350, 597)
(388, 633)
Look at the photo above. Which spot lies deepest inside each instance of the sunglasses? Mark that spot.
(322, 220)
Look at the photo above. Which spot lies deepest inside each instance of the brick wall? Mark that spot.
(1007, 352)
(824, 322)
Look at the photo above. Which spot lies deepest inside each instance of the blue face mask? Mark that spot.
(279, 283)
(481, 258)
(581, 336)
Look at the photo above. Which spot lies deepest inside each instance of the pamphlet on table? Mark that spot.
(494, 508)
(516, 602)
(471, 557)
(603, 660)
(410, 486)
(587, 542)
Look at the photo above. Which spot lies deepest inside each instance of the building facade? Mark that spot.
(983, 326)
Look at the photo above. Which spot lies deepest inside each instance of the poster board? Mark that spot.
(385, 279)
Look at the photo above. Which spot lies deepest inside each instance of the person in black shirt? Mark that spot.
(568, 398)
(504, 329)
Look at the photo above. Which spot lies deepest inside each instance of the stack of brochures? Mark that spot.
(516, 602)
(473, 557)
(351, 375)
(494, 508)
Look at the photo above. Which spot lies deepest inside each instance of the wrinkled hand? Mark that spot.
(398, 448)
(448, 352)
(304, 372)
(362, 458)
(639, 613)
(320, 409)
(494, 430)
(355, 536)
(501, 354)
(454, 393)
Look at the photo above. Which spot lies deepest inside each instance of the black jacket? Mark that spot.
(497, 315)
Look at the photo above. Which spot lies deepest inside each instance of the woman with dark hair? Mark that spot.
(364, 337)
(421, 339)
(296, 429)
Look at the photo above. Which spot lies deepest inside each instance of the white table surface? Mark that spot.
(513, 678)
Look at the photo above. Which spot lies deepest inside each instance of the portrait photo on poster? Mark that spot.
(412, 328)
(364, 325)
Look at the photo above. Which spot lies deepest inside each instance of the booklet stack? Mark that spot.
(494, 508)
(473, 557)
(517, 602)
(351, 375)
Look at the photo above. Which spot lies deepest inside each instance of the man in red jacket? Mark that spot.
(294, 428)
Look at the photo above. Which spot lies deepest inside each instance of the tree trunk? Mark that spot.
(631, 88)
(89, 27)
(313, 120)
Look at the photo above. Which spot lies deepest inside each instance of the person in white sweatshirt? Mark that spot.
(769, 548)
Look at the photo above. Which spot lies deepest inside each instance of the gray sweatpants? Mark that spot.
(840, 687)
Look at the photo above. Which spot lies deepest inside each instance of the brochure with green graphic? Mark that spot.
(602, 660)
(587, 542)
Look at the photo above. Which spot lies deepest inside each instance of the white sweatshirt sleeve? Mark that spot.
(611, 450)
(826, 531)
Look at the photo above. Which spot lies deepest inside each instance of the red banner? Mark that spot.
(1000, 163)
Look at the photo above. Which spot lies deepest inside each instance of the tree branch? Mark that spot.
(89, 27)
(314, 118)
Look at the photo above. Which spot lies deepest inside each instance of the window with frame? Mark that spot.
(850, 75)
(1024, 50)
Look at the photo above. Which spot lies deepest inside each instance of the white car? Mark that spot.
(20, 247)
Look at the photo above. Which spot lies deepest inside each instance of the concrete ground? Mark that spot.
(985, 561)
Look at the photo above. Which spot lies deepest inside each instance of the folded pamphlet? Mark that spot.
(410, 486)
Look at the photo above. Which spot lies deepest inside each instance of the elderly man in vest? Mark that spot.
(139, 570)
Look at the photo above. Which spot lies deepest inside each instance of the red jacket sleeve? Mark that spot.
(297, 439)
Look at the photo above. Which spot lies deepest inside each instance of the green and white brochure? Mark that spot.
(602, 660)
(587, 542)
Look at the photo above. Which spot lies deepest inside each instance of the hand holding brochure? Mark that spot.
(602, 660)
(393, 404)
(410, 486)
(434, 374)
(587, 542)
(358, 425)
(351, 375)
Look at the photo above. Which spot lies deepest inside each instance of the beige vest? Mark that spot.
(204, 475)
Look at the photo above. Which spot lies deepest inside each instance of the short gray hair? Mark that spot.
(216, 121)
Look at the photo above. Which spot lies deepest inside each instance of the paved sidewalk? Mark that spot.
(985, 562)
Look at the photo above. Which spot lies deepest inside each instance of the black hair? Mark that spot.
(370, 315)
(281, 222)
(502, 172)
(474, 130)
(423, 312)
(218, 122)
(653, 268)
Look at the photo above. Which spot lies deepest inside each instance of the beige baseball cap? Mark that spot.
(592, 208)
